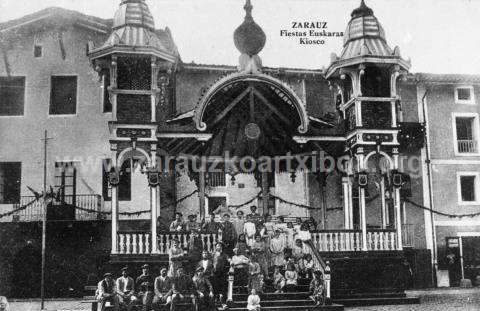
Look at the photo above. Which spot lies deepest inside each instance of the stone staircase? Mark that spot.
(271, 301)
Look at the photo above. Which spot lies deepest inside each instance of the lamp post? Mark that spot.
(44, 220)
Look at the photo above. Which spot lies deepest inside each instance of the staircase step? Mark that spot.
(267, 289)
(275, 296)
(368, 295)
(376, 301)
(333, 307)
(273, 303)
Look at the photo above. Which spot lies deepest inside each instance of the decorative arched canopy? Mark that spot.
(251, 114)
(285, 99)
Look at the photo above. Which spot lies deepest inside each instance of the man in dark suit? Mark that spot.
(229, 235)
(106, 292)
(183, 289)
(220, 272)
(204, 290)
(207, 264)
(144, 287)
(162, 289)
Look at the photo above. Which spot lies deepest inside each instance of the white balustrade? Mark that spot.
(134, 243)
(140, 242)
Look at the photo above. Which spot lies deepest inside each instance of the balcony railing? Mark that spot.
(34, 212)
(408, 234)
(351, 240)
(467, 146)
(139, 242)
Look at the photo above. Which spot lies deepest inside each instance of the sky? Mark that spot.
(439, 36)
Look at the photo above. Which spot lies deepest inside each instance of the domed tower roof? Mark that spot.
(365, 38)
(249, 37)
(134, 29)
(364, 32)
(133, 13)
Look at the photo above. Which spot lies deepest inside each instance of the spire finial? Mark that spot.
(248, 9)
(362, 10)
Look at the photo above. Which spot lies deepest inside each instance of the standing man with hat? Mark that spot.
(192, 223)
(163, 289)
(125, 289)
(229, 235)
(204, 289)
(144, 286)
(106, 292)
(177, 225)
(220, 271)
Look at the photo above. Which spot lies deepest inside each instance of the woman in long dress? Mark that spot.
(277, 248)
(175, 257)
(255, 275)
(260, 253)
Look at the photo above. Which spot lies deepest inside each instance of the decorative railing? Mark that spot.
(382, 240)
(467, 146)
(134, 242)
(139, 242)
(34, 211)
(408, 235)
(337, 240)
(320, 265)
(351, 240)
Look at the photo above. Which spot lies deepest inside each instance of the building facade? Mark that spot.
(127, 123)
(452, 100)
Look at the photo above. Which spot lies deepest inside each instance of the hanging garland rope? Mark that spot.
(441, 213)
(237, 206)
(374, 198)
(88, 210)
(21, 208)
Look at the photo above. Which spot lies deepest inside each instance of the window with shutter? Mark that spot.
(10, 179)
(63, 95)
(12, 96)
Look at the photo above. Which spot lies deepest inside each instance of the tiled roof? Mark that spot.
(364, 35)
(447, 78)
(59, 15)
(134, 28)
(231, 68)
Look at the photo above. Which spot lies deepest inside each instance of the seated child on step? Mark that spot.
(317, 288)
(308, 266)
(278, 280)
(253, 302)
(291, 277)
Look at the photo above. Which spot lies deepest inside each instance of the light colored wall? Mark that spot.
(445, 164)
(83, 136)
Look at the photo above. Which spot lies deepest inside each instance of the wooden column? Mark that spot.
(153, 202)
(154, 87)
(201, 192)
(361, 198)
(265, 192)
(350, 202)
(114, 203)
(397, 202)
(113, 86)
(346, 202)
(384, 203)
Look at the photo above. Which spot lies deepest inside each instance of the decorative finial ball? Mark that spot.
(249, 37)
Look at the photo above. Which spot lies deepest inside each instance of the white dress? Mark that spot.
(253, 303)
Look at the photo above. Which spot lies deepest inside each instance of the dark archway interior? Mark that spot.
(272, 117)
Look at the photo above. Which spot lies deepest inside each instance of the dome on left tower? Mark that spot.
(134, 28)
